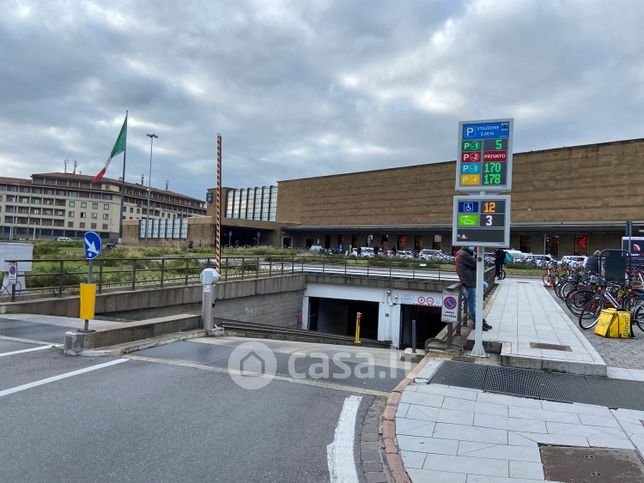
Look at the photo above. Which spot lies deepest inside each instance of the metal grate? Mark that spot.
(591, 465)
(551, 386)
(550, 347)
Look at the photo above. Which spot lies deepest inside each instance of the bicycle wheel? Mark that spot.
(503, 274)
(638, 317)
(576, 300)
(590, 313)
(546, 280)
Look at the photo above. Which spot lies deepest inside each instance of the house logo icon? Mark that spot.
(252, 365)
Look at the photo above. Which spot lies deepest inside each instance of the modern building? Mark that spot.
(51, 205)
(565, 201)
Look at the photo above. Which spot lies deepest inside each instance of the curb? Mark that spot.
(119, 350)
(392, 452)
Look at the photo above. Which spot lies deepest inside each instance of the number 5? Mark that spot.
(499, 144)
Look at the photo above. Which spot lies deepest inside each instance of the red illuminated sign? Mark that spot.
(495, 155)
(471, 157)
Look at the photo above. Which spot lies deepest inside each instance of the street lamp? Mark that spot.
(147, 217)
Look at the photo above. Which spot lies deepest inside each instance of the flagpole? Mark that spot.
(123, 185)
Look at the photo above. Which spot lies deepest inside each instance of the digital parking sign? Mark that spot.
(484, 161)
(481, 221)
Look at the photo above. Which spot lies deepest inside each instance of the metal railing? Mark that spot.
(63, 276)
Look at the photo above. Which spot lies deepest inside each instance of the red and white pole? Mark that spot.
(218, 208)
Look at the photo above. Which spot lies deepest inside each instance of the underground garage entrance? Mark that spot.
(428, 324)
(335, 316)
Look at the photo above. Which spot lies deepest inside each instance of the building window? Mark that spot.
(131, 210)
(525, 243)
(72, 204)
(81, 224)
(106, 216)
(95, 206)
(94, 216)
(106, 206)
(70, 224)
(93, 226)
(83, 214)
(83, 204)
(105, 226)
(71, 214)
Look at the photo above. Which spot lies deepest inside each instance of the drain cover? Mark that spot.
(591, 465)
(552, 347)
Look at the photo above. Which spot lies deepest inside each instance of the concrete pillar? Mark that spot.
(305, 313)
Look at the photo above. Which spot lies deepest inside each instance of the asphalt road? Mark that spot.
(177, 415)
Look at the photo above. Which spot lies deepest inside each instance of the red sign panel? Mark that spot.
(495, 155)
(472, 157)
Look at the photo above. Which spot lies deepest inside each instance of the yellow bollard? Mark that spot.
(358, 319)
(87, 302)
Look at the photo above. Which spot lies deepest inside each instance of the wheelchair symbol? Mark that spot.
(468, 208)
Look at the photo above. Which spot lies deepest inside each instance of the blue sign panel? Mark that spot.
(93, 245)
(486, 130)
(468, 206)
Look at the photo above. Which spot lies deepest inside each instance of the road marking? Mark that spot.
(342, 465)
(31, 349)
(221, 370)
(30, 385)
(27, 341)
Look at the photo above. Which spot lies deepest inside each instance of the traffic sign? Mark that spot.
(484, 161)
(13, 273)
(93, 245)
(449, 311)
(481, 221)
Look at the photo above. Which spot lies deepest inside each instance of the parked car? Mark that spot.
(64, 239)
(405, 254)
(540, 260)
(430, 254)
(573, 260)
(367, 252)
(317, 249)
(517, 256)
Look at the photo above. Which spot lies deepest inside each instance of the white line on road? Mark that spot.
(342, 465)
(27, 341)
(31, 349)
(24, 387)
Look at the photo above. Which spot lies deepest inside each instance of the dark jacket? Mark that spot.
(592, 264)
(466, 267)
(499, 257)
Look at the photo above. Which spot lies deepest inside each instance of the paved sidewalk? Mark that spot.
(523, 314)
(452, 434)
(621, 353)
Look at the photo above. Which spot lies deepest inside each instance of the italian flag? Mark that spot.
(119, 147)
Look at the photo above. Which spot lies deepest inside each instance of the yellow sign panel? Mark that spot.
(470, 179)
(87, 300)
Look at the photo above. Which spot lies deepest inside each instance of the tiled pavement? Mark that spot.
(622, 353)
(452, 434)
(522, 313)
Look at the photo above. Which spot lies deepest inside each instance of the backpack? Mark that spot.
(508, 258)
(614, 323)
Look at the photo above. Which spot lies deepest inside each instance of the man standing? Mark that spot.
(499, 261)
(466, 269)
(592, 263)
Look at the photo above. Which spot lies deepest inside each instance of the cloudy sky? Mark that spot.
(307, 87)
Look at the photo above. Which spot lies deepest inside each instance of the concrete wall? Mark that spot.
(282, 309)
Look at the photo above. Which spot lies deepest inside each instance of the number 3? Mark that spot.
(488, 220)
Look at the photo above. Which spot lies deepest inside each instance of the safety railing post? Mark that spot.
(257, 267)
(226, 273)
(162, 276)
(243, 266)
(270, 266)
(133, 274)
(186, 271)
(101, 262)
(61, 277)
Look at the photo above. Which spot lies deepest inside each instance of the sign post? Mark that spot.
(93, 247)
(484, 164)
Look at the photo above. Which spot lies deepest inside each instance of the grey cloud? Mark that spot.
(307, 88)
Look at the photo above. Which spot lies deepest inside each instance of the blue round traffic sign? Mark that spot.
(93, 245)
